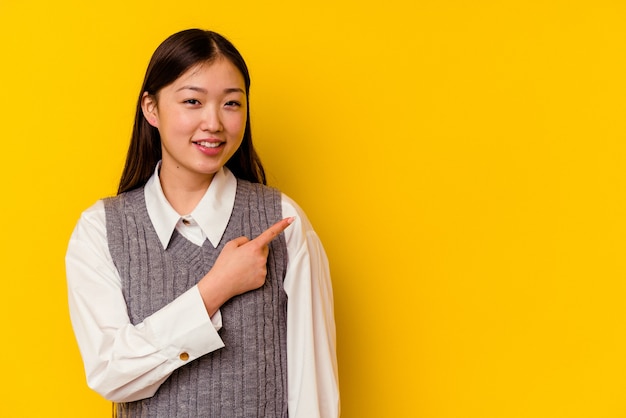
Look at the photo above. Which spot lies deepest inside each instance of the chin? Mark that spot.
(209, 171)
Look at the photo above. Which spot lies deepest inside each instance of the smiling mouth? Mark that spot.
(208, 144)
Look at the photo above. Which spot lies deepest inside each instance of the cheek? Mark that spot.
(236, 125)
(177, 123)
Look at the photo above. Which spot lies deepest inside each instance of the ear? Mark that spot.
(149, 109)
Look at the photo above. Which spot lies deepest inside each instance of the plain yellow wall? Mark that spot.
(462, 161)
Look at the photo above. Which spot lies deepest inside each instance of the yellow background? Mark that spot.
(462, 161)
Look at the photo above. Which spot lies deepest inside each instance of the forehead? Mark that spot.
(220, 72)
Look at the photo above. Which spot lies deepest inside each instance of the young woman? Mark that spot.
(198, 291)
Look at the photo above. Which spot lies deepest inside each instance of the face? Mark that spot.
(201, 118)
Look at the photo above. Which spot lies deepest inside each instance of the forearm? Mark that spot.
(125, 362)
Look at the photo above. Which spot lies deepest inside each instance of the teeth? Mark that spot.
(210, 144)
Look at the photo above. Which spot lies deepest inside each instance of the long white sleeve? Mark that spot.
(125, 362)
(311, 343)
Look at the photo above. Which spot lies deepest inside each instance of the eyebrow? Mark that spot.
(204, 91)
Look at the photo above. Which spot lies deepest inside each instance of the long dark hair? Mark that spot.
(170, 60)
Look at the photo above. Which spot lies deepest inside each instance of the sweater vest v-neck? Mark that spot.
(246, 378)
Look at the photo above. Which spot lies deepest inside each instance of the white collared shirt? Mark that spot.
(125, 362)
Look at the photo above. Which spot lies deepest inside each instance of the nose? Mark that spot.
(211, 119)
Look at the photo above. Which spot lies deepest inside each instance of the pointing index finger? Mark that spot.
(273, 231)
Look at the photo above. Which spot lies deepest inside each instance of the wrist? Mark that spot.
(212, 295)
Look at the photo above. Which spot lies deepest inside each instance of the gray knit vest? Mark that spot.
(246, 378)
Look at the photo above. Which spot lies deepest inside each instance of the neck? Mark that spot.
(183, 191)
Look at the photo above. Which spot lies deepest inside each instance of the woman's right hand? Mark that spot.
(240, 267)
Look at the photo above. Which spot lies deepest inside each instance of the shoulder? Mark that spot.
(91, 226)
(94, 213)
(121, 199)
(290, 207)
(117, 208)
(259, 195)
(301, 230)
(256, 187)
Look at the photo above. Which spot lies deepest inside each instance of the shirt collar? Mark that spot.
(212, 212)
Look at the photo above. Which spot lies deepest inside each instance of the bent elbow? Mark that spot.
(117, 392)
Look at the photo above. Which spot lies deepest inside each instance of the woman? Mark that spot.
(176, 310)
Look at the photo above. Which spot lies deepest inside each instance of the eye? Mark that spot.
(233, 103)
(193, 102)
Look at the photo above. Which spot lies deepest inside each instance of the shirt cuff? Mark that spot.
(183, 328)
